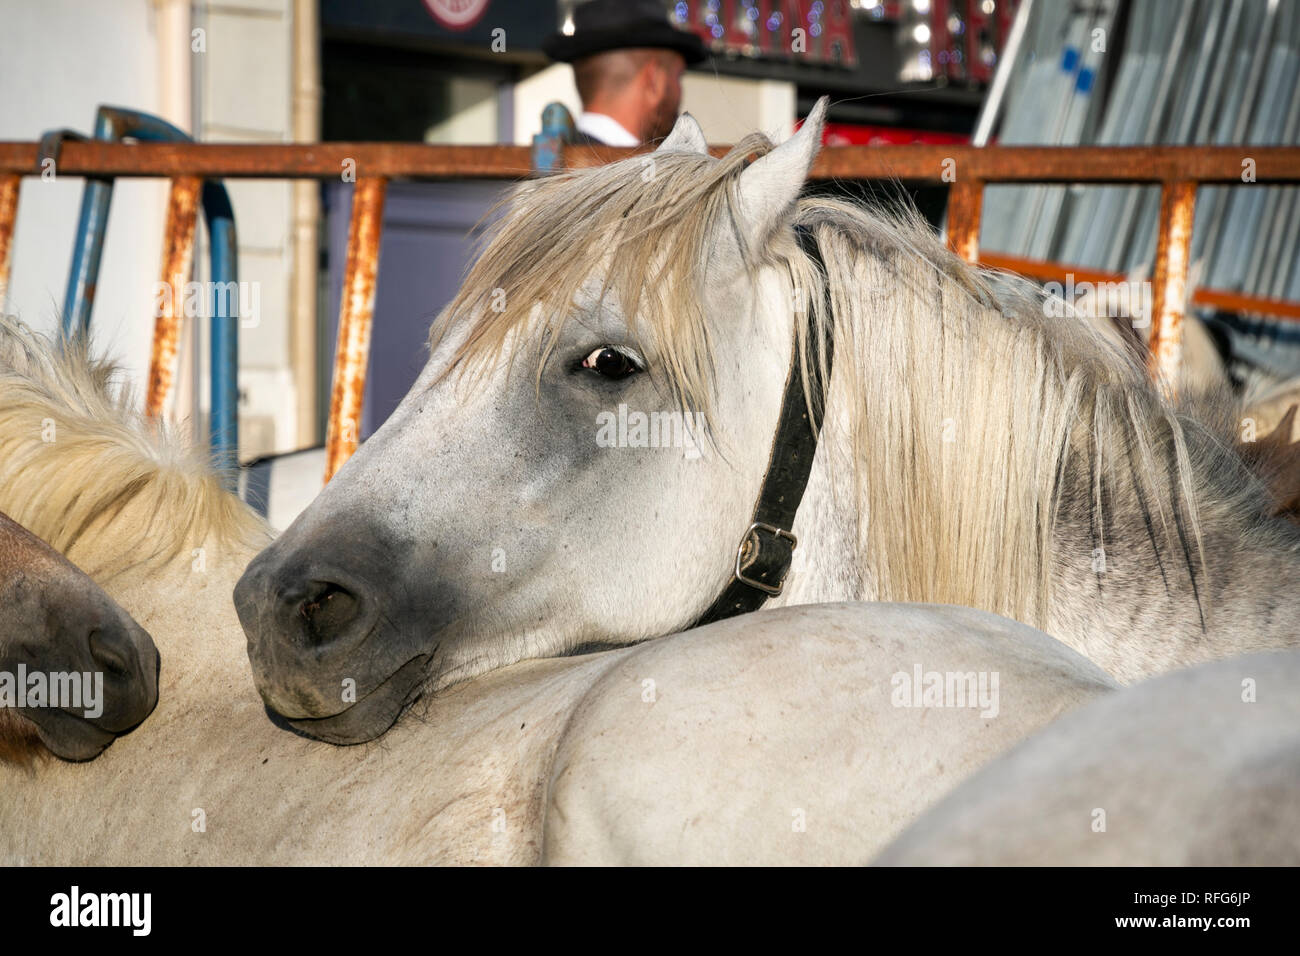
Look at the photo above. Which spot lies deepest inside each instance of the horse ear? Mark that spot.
(687, 136)
(772, 182)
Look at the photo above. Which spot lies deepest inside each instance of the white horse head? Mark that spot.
(531, 496)
(578, 459)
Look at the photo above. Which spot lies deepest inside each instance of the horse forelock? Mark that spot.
(84, 469)
(643, 224)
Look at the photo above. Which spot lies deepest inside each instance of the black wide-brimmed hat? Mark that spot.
(601, 25)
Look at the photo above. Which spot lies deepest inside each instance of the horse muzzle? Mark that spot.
(327, 649)
(114, 666)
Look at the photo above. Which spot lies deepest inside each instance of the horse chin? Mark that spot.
(68, 736)
(372, 715)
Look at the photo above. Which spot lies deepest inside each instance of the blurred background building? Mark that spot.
(471, 72)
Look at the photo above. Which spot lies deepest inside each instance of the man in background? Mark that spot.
(627, 62)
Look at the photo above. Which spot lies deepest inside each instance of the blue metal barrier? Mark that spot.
(116, 123)
(223, 420)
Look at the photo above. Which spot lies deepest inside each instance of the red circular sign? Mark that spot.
(457, 14)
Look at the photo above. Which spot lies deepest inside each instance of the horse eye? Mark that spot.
(611, 363)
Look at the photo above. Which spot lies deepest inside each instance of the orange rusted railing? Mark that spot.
(1169, 279)
(965, 207)
(351, 356)
(178, 258)
(1178, 170)
(9, 185)
(1211, 298)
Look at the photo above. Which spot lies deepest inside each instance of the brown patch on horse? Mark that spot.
(20, 743)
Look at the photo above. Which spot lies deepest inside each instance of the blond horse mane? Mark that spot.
(82, 467)
(973, 413)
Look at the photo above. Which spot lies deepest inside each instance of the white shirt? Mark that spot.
(606, 129)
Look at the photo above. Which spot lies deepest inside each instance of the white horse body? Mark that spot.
(212, 781)
(1200, 767)
(733, 759)
(793, 736)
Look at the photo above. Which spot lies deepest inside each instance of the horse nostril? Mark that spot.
(328, 613)
(110, 652)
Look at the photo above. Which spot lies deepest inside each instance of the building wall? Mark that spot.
(59, 60)
(732, 107)
(245, 84)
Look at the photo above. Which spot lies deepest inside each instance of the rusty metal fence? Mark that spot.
(966, 170)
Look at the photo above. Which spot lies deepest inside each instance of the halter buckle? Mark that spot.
(752, 531)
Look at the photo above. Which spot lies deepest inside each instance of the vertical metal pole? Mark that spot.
(1173, 257)
(988, 117)
(178, 259)
(223, 420)
(9, 186)
(352, 352)
(92, 222)
(965, 204)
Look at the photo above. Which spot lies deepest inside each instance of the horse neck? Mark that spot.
(943, 476)
(1139, 603)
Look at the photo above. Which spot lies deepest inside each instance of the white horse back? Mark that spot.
(1199, 767)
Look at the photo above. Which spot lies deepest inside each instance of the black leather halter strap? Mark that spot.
(766, 549)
